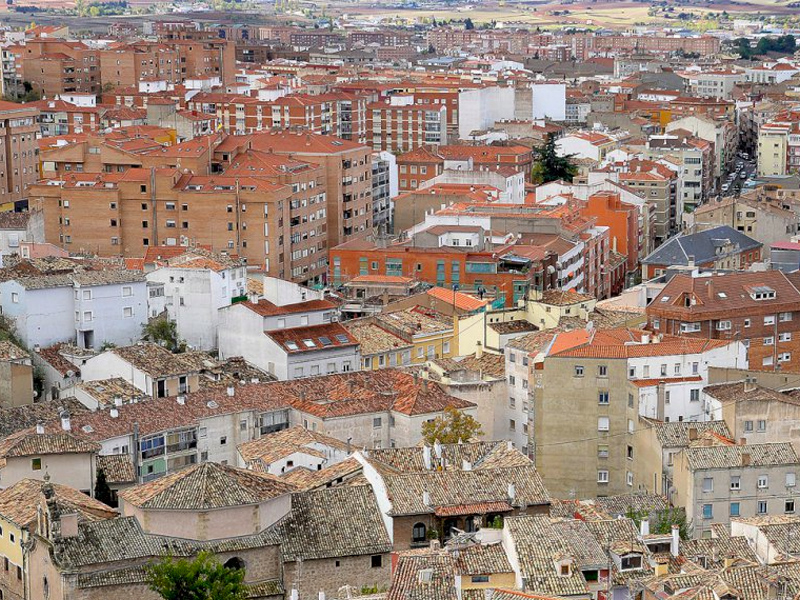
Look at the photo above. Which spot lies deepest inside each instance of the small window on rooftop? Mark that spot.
(342, 338)
(665, 299)
(722, 295)
(291, 345)
(309, 344)
(325, 340)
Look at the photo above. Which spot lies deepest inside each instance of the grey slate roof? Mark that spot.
(701, 245)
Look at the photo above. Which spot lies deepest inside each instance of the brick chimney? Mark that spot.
(745, 459)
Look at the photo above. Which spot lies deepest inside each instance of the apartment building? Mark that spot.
(693, 159)
(722, 481)
(55, 66)
(401, 124)
(209, 57)
(61, 118)
(712, 83)
(347, 168)
(758, 309)
(18, 152)
(594, 386)
(765, 221)
(125, 64)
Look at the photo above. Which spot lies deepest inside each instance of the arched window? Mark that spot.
(418, 533)
(234, 563)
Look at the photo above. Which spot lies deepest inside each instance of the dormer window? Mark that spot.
(762, 292)
(631, 562)
(564, 567)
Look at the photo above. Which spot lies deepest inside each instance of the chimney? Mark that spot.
(117, 401)
(509, 445)
(437, 448)
(645, 338)
(39, 427)
(294, 595)
(749, 386)
(662, 569)
(675, 544)
(231, 391)
(479, 351)
(114, 412)
(426, 498)
(512, 491)
(745, 459)
(65, 421)
(644, 527)
(181, 399)
(692, 434)
(321, 595)
(435, 545)
(69, 525)
(426, 456)
(424, 385)
(466, 465)
(691, 261)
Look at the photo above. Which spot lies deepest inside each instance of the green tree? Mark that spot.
(661, 522)
(468, 24)
(549, 166)
(165, 332)
(451, 427)
(201, 578)
(102, 492)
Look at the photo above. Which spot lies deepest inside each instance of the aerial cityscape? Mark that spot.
(400, 300)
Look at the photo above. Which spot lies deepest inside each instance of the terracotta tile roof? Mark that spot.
(474, 508)
(564, 298)
(268, 309)
(375, 339)
(281, 444)
(675, 434)
(14, 220)
(482, 559)
(626, 343)
(338, 521)
(440, 581)
(313, 338)
(668, 380)
(206, 486)
(106, 391)
(17, 418)
(377, 279)
(726, 457)
(306, 479)
(461, 300)
(11, 352)
(118, 468)
(30, 443)
(417, 321)
(20, 502)
(492, 365)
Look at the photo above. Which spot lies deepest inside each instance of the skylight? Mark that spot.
(291, 345)
(309, 343)
(342, 338)
(325, 340)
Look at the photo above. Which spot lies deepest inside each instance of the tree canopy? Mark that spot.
(200, 578)
(451, 427)
(549, 166)
(102, 492)
(165, 332)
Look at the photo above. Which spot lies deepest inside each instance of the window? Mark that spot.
(223, 440)
(785, 337)
(769, 341)
(512, 425)
(785, 316)
(723, 325)
(630, 562)
(788, 506)
(762, 507)
(763, 482)
(36, 464)
(602, 477)
(784, 357)
(578, 371)
(419, 533)
(694, 395)
(602, 397)
(791, 480)
(376, 422)
(736, 482)
(708, 484)
(734, 509)
(769, 320)
(708, 511)
(127, 291)
(127, 312)
(602, 424)
(630, 400)
(602, 371)
(761, 425)
(376, 561)
(747, 322)
(695, 368)
(629, 478)
(602, 452)
(748, 426)
(481, 578)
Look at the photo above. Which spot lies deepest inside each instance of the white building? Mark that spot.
(196, 286)
(16, 228)
(89, 308)
(480, 108)
(549, 101)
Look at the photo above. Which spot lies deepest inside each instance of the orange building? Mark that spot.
(622, 219)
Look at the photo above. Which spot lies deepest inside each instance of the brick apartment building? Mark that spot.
(348, 174)
(127, 63)
(401, 127)
(759, 309)
(54, 66)
(18, 152)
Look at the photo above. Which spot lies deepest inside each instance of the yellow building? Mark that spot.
(19, 510)
(430, 333)
(772, 148)
(380, 348)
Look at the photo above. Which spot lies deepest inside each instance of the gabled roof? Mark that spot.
(280, 444)
(30, 443)
(206, 486)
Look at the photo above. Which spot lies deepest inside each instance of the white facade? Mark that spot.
(680, 398)
(193, 298)
(11, 237)
(549, 101)
(480, 108)
(66, 311)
